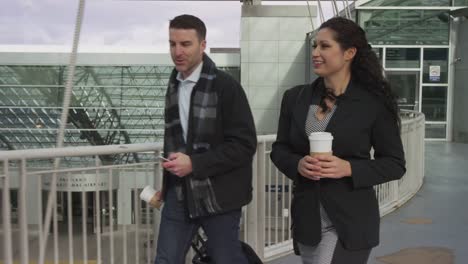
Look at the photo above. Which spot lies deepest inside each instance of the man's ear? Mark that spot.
(203, 45)
(350, 53)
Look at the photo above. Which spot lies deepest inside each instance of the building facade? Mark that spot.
(417, 42)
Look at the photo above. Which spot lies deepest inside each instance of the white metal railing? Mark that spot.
(99, 218)
(107, 230)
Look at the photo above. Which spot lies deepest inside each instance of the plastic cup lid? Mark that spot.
(320, 136)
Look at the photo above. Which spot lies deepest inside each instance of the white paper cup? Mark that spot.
(320, 143)
(149, 195)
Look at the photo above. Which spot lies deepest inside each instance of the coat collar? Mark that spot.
(352, 95)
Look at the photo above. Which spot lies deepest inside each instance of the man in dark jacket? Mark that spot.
(210, 141)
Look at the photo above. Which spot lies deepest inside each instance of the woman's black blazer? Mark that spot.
(360, 122)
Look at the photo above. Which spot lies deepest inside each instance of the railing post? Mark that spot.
(70, 222)
(395, 192)
(252, 209)
(422, 136)
(261, 198)
(136, 215)
(84, 223)
(97, 206)
(55, 228)
(157, 183)
(6, 208)
(23, 218)
(111, 215)
(410, 151)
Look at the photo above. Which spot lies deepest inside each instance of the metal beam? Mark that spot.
(227, 0)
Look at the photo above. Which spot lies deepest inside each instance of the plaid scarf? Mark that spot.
(200, 194)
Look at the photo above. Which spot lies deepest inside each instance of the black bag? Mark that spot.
(201, 252)
(202, 257)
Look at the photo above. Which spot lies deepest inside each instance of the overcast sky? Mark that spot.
(129, 23)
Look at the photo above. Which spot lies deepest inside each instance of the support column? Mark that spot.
(273, 57)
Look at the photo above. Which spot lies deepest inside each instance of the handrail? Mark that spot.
(49, 153)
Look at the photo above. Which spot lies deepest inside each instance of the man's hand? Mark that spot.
(158, 196)
(157, 200)
(179, 164)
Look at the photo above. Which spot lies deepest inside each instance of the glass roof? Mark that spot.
(460, 3)
(110, 105)
(405, 27)
(408, 3)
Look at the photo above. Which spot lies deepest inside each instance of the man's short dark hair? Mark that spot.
(189, 22)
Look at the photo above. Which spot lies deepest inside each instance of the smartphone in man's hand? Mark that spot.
(163, 158)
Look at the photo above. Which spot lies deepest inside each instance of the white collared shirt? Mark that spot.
(185, 92)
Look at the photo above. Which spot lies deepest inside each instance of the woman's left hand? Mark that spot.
(333, 167)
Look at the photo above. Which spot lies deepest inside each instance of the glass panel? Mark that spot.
(435, 67)
(23, 95)
(14, 199)
(434, 103)
(461, 3)
(405, 27)
(405, 85)
(37, 75)
(402, 58)
(408, 3)
(233, 71)
(436, 131)
(379, 53)
(77, 209)
(106, 211)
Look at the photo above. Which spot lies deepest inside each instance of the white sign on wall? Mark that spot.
(434, 73)
(81, 182)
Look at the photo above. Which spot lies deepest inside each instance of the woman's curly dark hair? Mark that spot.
(365, 67)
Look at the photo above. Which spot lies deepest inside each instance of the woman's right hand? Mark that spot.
(308, 168)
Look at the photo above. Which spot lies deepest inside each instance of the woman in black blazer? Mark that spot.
(335, 212)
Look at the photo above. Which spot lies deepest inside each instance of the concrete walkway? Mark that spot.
(432, 228)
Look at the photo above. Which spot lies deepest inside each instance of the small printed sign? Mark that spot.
(434, 73)
(80, 183)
